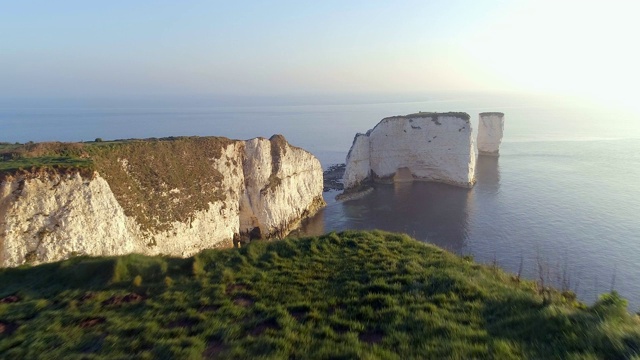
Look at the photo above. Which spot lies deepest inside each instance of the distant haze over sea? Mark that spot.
(531, 117)
(564, 191)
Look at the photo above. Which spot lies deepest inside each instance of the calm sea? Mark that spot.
(563, 196)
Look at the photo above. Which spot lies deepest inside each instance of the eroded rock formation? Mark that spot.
(423, 146)
(173, 198)
(490, 129)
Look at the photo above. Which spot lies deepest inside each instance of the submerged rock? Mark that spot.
(423, 146)
(490, 129)
(173, 197)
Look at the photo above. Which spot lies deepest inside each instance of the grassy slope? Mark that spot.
(353, 294)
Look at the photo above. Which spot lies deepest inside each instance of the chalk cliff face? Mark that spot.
(283, 186)
(490, 129)
(423, 146)
(259, 188)
(358, 166)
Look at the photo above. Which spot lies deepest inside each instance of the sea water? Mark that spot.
(561, 202)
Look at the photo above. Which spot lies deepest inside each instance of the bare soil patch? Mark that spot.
(7, 328)
(91, 322)
(243, 301)
(9, 299)
(126, 299)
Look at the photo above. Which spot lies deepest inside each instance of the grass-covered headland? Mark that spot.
(346, 295)
(140, 173)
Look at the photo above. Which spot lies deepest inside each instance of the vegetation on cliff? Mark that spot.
(18, 159)
(434, 115)
(347, 295)
(157, 181)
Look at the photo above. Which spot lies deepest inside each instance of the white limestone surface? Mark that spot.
(46, 219)
(424, 146)
(358, 162)
(50, 217)
(490, 132)
(283, 186)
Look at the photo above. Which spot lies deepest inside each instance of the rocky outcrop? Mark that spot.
(224, 191)
(283, 185)
(424, 146)
(490, 129)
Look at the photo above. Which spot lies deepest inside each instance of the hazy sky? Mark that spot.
(121, 48)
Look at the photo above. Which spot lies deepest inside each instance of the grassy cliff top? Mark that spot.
(435, 115)
(347, 295)
(69, 155)
(157, 181)
(32, 157)
(494, 113)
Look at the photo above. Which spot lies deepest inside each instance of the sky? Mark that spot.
(144, 48)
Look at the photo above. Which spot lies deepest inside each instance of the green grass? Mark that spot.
(348, 295)
(52, 155)
(489, 113)
(51, 162)
(32, 157)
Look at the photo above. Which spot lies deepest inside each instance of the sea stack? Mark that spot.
(490, 129)
(424, 146)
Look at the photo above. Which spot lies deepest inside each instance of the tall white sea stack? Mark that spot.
(423, 146)
(490, 129)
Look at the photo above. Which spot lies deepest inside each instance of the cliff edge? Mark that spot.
(173, 196)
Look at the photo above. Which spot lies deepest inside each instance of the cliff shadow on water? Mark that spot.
(437, 213)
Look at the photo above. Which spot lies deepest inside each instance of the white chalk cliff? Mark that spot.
(263, 188)
(490, 131)
(424, 146)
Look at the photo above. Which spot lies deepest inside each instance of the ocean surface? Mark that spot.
(564, 196)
